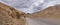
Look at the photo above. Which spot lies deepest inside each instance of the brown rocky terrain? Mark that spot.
(52, 12)
(10, 16)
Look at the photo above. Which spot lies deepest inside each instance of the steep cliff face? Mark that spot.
(10, 16)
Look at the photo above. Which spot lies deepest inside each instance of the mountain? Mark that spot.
(52, 11)
(11, 16)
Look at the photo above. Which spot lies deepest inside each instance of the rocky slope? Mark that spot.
(50, 12)
(10, 16)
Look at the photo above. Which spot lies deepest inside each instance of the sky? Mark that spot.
(30, 6)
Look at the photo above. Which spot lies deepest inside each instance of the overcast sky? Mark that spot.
(31, 6)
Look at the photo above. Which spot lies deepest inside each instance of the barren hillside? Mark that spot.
(50, 12)
(10, 16)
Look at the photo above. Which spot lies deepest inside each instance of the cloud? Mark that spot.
(31, 6)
